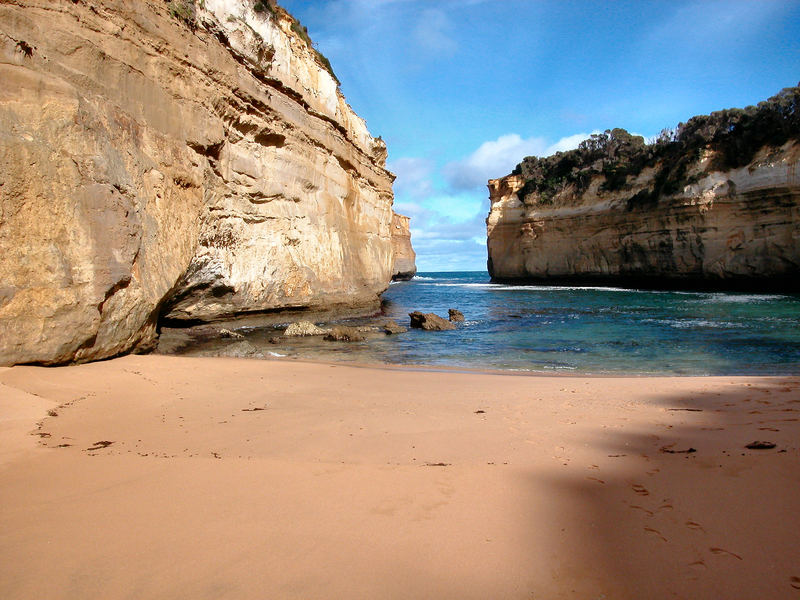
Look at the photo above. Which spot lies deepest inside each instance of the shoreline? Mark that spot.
(425, 368)
(232, 478)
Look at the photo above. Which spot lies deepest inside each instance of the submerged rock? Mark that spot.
(392, 328)
(227, 333)
(429, 322)
(455, 316)
(303, 328)
(342, 333)
(240, 349)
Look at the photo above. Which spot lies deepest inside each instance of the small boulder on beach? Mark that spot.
(303, 328)
(429, 322)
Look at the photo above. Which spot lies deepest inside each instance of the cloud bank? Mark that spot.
(497, 158)
(448, 205)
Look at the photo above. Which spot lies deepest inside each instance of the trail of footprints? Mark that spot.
(666, 504)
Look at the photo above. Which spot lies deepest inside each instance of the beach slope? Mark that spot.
(170, 477)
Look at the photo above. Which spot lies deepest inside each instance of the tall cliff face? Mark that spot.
(722, 227)
(404, 266)
(192, 161)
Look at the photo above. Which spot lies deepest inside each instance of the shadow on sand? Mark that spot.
(682, 508)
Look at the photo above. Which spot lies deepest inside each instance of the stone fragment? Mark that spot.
(760, 445)
(303, 328)
(429, 322)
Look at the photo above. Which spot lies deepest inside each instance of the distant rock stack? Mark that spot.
(223, 174)
(404, 266)
(712, 205)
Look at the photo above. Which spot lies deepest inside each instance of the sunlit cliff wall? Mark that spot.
(187, 161)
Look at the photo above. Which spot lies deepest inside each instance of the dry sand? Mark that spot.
(167, 477)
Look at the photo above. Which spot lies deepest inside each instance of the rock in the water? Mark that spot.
(240, 349)
(454, 315)
(303, 328)
(392, 328)
(342, 333)
(429, 321)
(227, 333)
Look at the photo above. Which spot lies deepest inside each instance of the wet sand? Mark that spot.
(174, 477)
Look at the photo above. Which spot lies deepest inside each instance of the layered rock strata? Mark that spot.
(726, 229)
(187, 160)
(404, 265)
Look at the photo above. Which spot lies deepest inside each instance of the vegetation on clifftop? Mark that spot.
(734, 135)
(186, 11)
(272, 8)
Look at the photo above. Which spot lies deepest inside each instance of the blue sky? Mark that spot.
(463, 90)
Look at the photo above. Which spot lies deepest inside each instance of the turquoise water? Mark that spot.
(595, 330)
(559, 329)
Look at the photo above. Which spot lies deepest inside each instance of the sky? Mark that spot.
(463, 90)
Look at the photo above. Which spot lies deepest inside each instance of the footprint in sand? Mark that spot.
(695, 526)
(698, 564)
(596, 479)
(656, 532)
(795, 582)
(723, 551)
(648, 512)
(640, 489)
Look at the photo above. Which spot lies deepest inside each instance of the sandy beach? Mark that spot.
(170, 477)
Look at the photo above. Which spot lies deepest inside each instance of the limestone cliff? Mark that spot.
(404, 266)
(704, 207)
(187, 160)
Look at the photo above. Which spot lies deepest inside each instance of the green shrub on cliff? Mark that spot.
(184, 10)
(321, 59)
(735, 135)
(271, 7)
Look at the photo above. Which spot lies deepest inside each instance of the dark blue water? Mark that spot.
(563, 329)
(595, 330)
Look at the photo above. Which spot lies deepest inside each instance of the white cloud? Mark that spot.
(497, 158)
(492, 159)
(413, 176)
(568, 143)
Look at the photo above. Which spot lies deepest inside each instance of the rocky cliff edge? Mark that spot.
(181, 160)
(715, 204)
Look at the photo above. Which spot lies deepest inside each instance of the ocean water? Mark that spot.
(600, 330)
